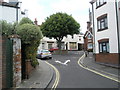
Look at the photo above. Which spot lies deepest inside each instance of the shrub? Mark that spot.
(6, 28)
(30, 35)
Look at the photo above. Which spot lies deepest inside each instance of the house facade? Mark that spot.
(68, 43)
(106, 27)
(11, 11)
(88, 36)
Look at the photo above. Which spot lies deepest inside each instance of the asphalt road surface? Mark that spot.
(73, 76)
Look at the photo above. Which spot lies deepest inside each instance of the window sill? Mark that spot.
(103, 52)
(102, 29)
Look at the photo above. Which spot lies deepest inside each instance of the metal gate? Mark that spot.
(9, 62)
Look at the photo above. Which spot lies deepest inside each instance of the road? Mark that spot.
(73, 76)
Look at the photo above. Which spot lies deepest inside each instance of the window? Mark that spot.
(43, 45)
(102, 22)
(104, 47)
(89, 36)
(73, 45)
(100, 3)
(90, 45)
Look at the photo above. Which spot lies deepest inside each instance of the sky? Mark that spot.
(40, 9)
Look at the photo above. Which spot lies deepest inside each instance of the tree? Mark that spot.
(59, 25)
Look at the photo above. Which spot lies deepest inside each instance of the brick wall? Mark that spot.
(0, 62)
(109, 58)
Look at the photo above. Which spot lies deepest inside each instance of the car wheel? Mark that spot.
(50, 57)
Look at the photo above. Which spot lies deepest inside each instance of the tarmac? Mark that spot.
(43, 74)
(108, 70)
(40, 77)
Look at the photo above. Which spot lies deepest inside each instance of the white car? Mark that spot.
(44, 54)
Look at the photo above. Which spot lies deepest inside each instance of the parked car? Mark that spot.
(44, 54)
(53, 49)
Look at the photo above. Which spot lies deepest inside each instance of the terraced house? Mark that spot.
(106, 27)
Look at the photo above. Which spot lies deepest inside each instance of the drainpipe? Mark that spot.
(117, 20)
(93, 29)
(17, 12)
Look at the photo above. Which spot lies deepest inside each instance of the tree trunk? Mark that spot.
(59, 44)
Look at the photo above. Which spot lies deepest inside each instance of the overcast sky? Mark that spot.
(41, 9)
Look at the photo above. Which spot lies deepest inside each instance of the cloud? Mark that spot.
(41, 9)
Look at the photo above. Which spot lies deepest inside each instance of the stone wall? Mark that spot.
(16, 61)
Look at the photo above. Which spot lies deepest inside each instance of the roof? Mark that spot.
(87, 32)
(10, 4)
(92, 1)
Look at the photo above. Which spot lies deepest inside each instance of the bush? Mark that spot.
(30, 35)
(25, 20)
(6, 28)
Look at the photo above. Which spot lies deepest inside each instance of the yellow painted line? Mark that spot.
(95, 71)
(57, 76)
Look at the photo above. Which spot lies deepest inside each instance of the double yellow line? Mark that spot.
(57, 77)
(81, 65)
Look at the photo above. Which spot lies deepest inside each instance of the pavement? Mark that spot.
(40, 77)
(43, 74)
(103, 68)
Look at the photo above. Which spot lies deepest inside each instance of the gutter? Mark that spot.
(117, 21)
(17, 12)
(92, 2)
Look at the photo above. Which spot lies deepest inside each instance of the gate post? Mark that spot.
(16, 60)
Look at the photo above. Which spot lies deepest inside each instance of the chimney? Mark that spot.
(36, 22)
(1, 1)
(88, 25)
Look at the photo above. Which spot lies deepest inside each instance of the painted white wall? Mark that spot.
(111, 32)
(9, 14)
(69, 39)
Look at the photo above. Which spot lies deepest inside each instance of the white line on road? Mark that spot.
(65, 63)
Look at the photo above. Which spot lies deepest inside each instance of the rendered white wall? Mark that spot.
(111, 32)
(9, 14)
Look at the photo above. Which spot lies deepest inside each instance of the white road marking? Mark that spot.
(65, 63)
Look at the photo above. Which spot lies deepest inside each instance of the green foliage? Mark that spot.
(6, 28)
(29, 33)
(30, 52)
(59, 25)
(25, 20)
